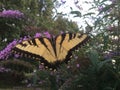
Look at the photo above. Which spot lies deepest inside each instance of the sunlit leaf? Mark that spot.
(91, 13)
(77, 13)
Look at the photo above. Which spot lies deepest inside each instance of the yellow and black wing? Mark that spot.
(51, 52)
(66, 43)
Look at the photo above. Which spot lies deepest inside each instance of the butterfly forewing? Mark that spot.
(49, 53)
(59, 49)
(37, 49)
(69, 41)
(40, 47)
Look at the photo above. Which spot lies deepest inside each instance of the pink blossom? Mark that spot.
(77, 65)
(37, 35)
(47, 34)
(100, 8)
(12, 14)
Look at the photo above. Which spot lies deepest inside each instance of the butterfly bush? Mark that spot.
(4, 54)
(11, 14)
(63, 1)
(100, 8)
(113, 1)
(37, 35)
(77, 65)
(3, 69)
(47, 34)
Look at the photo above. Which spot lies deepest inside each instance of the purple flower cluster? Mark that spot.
(77, 65)
(63, 1)
(41, 67)
(110, 28)
(100, 8)
(37, 35)
(12, 14)
(47, 34)
(4, 54)
(2, 69)
(113, 1)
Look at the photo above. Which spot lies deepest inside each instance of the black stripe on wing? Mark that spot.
(26, 54)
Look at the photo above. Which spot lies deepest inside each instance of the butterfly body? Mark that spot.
(51, 52)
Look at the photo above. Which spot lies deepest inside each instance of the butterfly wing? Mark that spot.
(51, 52)
(66, 43)
(38, 48)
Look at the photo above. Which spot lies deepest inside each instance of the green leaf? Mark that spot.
(107, 8)
(106, 41)
(91, 13)
(78, 14)
(102, 63)
(93, 55)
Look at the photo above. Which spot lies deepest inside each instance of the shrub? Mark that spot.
(18, 65)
